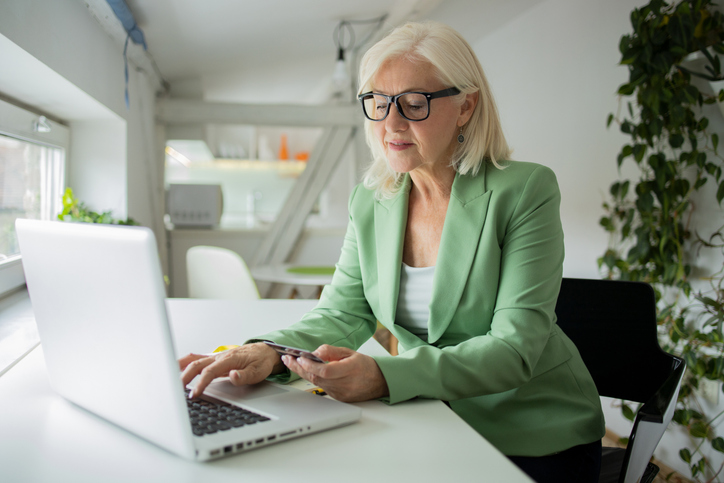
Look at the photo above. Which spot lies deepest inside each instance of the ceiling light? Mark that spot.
(341, 82)
(340, 76)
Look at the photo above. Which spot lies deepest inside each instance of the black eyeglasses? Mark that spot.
(413, 106)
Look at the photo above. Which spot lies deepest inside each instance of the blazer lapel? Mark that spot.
(390, 224)
(458, 246)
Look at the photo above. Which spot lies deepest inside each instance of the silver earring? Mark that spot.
(461, 138)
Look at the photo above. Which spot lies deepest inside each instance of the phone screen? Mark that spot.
(292, 351)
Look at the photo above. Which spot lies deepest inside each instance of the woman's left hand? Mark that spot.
(348, 376)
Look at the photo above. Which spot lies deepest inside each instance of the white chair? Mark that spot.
(218, 273)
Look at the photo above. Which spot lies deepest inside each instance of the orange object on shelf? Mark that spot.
(283, 150)
(302, 156)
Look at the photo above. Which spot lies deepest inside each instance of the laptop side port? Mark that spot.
(271, 438)
(289, 433)
(227, 449)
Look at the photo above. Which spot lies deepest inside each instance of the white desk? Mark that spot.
(44, 438)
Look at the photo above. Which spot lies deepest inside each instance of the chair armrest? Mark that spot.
(655, 409)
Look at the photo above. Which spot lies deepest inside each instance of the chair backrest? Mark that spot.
(613, 324)
(218, 273)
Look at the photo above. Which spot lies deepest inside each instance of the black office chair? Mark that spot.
(613, 324)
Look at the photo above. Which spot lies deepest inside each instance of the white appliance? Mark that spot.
(195, 205)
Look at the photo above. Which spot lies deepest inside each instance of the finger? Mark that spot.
(239, 364)
(249, 375)
(342, 362)
(253, 364)
(188, 359)
(206, 377)
(207, 370)
(333, 353)
(239, 378)
(314, 372)
(194, 368)
(322, 375)
(293, 364)
(356, 378)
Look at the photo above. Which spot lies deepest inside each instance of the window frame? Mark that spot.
(17, 122)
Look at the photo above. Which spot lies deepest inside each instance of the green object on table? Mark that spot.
(301, 270)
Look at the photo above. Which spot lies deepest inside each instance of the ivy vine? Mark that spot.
(654, 236)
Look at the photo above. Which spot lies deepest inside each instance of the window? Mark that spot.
(31, 186)
(32, 177)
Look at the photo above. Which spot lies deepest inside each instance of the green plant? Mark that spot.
(653, 236)
(76, 211)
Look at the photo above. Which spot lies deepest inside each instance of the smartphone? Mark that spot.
(292, 351)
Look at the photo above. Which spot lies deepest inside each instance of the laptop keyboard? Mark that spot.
(208, 417)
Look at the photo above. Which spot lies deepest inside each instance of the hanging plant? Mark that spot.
(652, 236)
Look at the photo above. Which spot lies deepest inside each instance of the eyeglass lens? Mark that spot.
(412, 106)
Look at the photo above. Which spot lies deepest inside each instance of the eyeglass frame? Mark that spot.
(450, 91)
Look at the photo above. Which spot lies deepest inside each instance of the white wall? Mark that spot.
(554, 74)
(112, 162)
(97, 164)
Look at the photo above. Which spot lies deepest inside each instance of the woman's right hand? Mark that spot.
(247, 364)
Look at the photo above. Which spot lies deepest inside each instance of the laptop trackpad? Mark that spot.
(255, 391)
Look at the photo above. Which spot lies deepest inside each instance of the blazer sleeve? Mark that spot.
(513, 350)
(343, 316)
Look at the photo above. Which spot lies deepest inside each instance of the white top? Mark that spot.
(413, 303)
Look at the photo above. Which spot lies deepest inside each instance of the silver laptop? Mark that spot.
(99, 301)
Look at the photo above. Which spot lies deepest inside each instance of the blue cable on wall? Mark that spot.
(124, 14)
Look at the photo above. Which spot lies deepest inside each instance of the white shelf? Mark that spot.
(293, 168)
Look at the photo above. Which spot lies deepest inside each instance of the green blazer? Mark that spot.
(494, 350)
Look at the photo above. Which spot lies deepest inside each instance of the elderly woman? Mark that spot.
(458, 252)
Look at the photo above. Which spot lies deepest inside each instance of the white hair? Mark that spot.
(456, 65)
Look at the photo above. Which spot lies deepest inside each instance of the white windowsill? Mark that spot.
(18, 332)
(12, 276)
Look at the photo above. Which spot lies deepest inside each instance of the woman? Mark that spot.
(459, 254)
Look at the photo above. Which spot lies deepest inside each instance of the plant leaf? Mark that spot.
(626, 89)
(685, 455)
